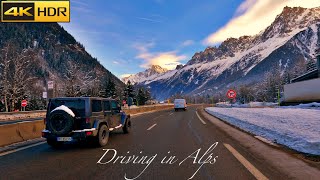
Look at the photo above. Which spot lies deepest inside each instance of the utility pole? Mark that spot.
(318, 65)
(279, 96)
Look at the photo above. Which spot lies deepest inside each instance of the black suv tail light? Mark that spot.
(88, 120)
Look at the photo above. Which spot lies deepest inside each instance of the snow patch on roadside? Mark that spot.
(298, 129)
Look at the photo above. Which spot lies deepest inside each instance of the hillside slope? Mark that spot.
(57, 57)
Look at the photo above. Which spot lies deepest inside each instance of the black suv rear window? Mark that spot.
(106, 105)
(76, 105)
(96, 106)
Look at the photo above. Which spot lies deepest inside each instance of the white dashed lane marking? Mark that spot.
(151, 127)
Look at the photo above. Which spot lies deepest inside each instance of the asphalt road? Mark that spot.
(153, 136)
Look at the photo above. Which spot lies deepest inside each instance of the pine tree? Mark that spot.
(141, 97)
(110, 89)
(129, 91)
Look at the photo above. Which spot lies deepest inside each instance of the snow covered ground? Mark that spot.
(296, 128)
(313, 105)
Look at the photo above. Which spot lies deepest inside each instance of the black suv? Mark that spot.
(83, 118)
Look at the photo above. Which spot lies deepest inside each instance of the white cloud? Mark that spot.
(246, 5)
(125, 75)
(153, 20)
(167, 60)
(115, 62)
(252, 16)
(187, 43)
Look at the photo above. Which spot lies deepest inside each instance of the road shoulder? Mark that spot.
(271, 155)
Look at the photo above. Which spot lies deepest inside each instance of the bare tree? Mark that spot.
(78, 81)
(15, 77)
(5, 61)
(20, 77)
(245, 94)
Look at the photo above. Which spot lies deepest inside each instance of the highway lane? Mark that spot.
(153, 136)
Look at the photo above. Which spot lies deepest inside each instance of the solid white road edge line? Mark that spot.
(203, 122)
(151, 127)
(20, 149)
(266, 141)
(254, 171)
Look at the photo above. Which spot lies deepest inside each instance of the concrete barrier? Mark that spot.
(148, 109)
(13, 133)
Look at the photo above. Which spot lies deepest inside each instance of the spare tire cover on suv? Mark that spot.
(61, 120)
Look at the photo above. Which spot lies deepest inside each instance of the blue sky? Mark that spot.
(128, 36)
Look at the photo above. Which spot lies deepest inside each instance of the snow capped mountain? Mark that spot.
(294, 35)
(149, 74)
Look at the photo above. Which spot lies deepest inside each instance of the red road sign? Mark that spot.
(24, 103)
(231, 94)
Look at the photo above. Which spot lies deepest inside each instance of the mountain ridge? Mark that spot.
(246, 59)
(57, 54)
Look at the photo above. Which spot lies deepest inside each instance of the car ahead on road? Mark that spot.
(83, 118)
(180, 104)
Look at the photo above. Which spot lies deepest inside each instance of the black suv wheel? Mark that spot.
(127, 126)
(103, 135)
(60, 122)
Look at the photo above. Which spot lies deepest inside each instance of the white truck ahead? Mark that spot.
(180, 104)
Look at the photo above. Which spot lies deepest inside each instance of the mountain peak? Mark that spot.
(292, 18)
(153, 71)
(290, 21)
(158, 69)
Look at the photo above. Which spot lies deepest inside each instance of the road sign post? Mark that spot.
(50, 90)
(24, 103)
(232, 94)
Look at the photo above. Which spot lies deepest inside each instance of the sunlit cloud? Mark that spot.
(143, 47)
(252, 16)
(187, 43)
(246, 5)
(125, 75)
(168, 60)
